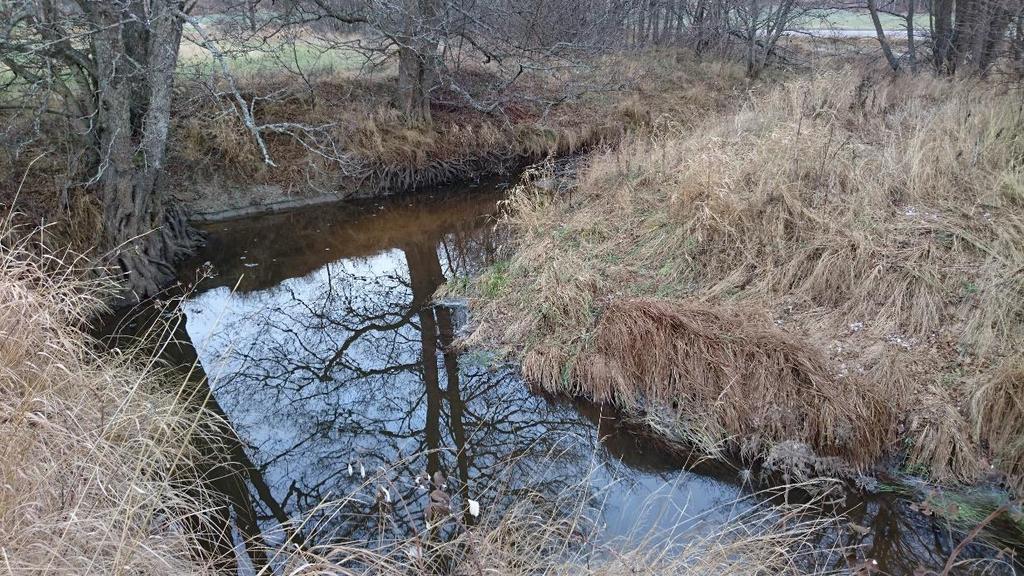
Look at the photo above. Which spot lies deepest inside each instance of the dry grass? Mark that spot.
(838, 261)
(354, 142)
(90, 450)
(359, 144)
(998, 412)
(536, 535)
(725, 372)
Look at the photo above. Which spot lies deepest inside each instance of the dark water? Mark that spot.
(325, 353)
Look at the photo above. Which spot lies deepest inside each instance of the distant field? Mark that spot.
(301, 55)
(308, 55)
(851, 20)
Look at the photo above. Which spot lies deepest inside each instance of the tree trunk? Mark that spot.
(700, 25)
(911, 47)
(641, 27)
(942, 34)
(655, 23)
(135, 57)
(966, 21)
(994, 35)
(415, 80)
(979, 29)
(418, 61)
(1017, 52)
(753, 17)
(882, 40)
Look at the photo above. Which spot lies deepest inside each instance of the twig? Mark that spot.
(243, 107)
(946, 571)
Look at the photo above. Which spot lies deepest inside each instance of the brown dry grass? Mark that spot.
(89, 447)
(536, 535)
(727, 373)
(998, 412)
(853, 248)
(357, 143)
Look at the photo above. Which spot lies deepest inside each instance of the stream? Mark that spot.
(324, 351)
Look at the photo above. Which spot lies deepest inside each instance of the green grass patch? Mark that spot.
(300, 56)
(851, 20)
(494, 281)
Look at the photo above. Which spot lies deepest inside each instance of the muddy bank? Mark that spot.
(216, 197)
(355, 145)
(346, 141)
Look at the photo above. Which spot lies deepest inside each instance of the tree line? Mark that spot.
(953, 36)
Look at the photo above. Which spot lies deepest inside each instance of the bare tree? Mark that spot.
(418, 60)
(110, 64)
(876, 20)
(761, 25)
(980, 29)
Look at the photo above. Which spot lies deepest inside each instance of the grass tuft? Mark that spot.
(92, 452)
(998, 411)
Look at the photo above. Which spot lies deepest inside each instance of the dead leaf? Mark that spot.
(862, 530)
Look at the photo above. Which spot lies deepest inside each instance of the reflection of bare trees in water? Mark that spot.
(325, 364)
(351, 365)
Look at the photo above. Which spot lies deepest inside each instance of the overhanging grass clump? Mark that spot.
(724, 372)
(999, 420)
(852, 246)
(93, 456)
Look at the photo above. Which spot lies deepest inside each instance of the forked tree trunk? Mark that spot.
(136, 49)
(418, 61)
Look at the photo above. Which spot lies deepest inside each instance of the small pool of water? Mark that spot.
(323, 349)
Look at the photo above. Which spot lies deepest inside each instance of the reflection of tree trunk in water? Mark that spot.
(226, 466)
(455, 405)
(224, 472)
(428, 338)
(425, 277)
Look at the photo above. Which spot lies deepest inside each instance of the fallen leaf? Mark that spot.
(862, 530)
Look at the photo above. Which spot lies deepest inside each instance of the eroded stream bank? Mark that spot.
(323, 351)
